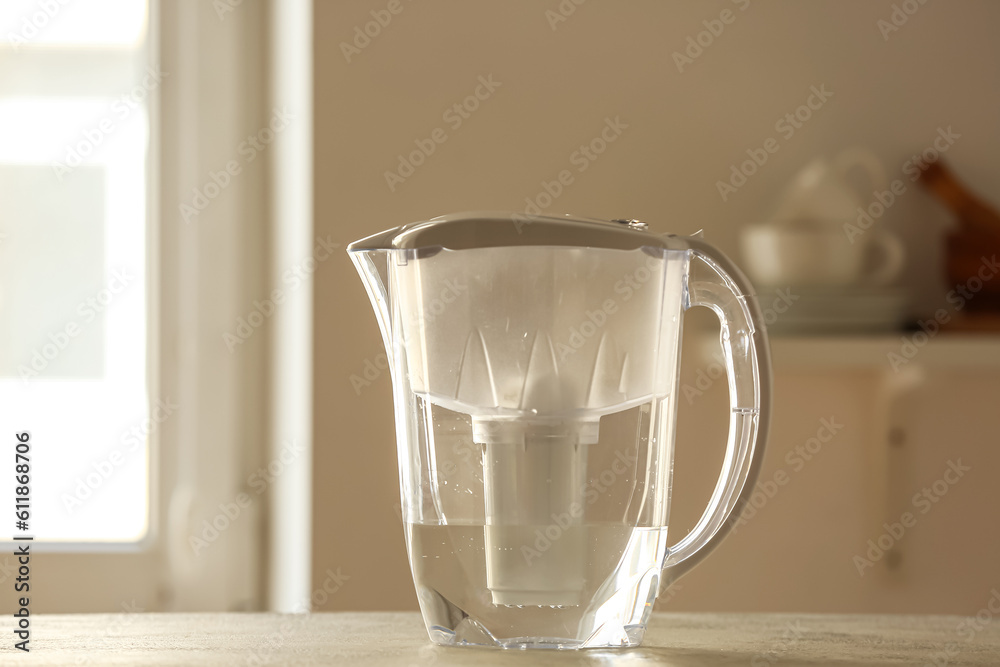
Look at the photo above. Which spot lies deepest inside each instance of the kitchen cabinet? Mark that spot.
(879, 490)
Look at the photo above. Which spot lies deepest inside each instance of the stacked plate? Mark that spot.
(833, 310)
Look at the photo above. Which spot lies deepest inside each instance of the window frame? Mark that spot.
(199, 275)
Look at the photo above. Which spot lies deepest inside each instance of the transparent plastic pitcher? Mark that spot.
(534, 365)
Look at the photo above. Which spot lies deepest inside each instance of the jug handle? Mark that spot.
(715, 282)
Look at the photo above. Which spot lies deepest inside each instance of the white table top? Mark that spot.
(398, 639)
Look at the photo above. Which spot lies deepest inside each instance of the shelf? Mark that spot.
(872, 352)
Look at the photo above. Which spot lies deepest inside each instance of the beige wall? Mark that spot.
(684, 131)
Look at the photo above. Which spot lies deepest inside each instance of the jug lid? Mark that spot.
(491, 229)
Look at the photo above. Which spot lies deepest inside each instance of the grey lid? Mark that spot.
(492, 229)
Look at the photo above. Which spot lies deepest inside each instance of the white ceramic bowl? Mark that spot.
(819, 255)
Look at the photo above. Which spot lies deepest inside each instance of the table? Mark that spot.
(398, 640)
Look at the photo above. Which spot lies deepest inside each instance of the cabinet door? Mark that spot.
(941, 474)
(878, 494)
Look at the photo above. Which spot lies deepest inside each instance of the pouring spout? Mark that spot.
(373, 267)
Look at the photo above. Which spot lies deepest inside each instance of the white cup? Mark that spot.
(819, 256)
(822, 191)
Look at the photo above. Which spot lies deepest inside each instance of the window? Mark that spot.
(75, 90)
(112, 113)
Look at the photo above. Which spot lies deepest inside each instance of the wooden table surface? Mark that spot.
(398, 639)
